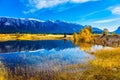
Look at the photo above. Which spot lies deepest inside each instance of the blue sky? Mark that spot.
(98, 13)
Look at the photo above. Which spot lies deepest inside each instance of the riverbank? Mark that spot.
(9, 37)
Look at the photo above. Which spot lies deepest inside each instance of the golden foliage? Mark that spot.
(85, 35)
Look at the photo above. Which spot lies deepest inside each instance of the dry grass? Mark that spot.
(7, 37)
(3, 72)
(106, 66)
(107, 58)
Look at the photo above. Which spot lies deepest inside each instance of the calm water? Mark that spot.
(41, 55)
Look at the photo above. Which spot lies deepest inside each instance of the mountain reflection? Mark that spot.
(18, 46)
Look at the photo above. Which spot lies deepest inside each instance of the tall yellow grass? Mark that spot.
(3, 72)
(7, 37)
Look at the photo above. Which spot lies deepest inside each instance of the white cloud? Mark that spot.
(115, 9)
(81, 1)
(40, 4)
(107, 20)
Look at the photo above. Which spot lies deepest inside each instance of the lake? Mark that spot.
(35, 56)
(41, 52)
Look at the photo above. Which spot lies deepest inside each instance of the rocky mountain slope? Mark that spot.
(22, 25)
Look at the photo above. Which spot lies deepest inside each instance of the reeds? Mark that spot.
(105, 66)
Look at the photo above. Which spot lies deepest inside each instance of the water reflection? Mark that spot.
(46, 58)
(41, 55)
(92, 47)
(18, 46)
(27, 58)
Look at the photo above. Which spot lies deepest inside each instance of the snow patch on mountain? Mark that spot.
(30, 25)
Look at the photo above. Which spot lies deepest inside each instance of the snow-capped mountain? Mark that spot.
(22, 25)
(118, 30)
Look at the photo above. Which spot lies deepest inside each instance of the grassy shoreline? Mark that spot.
(105, 67)
(8, 37)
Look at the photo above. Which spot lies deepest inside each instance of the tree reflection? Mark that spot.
(83, 45)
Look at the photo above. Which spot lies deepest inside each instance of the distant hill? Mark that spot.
(22, 25)
(118, 30)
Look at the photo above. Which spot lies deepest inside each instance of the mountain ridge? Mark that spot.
(117, 31)
(30, 25)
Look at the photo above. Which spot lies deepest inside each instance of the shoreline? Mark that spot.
(33, 37)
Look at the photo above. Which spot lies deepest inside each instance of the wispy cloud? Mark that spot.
(115, 9)
(40, 4)
(92, 13)
(107, 20)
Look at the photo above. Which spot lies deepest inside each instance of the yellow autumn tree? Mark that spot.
(75, 36)
(85, 35)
